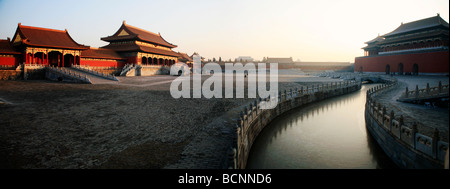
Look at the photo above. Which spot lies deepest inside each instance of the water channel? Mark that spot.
(330, 134)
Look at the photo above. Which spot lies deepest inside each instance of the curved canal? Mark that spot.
(330, 134)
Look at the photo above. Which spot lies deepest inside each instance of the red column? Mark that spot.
(32, 58)
(62, 60)
(59, 60)
(42, 61)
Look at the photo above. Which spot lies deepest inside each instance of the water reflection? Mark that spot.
(327, 134)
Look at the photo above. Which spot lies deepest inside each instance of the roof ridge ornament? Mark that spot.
(439, 16)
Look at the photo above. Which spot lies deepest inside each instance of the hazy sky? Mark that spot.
(319, 30)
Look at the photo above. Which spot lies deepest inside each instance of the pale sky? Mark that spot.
(319, 30)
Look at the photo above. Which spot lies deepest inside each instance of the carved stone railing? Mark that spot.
(406, 134)
(253, 119)
(427, 93)
(67, 73)
(125, 69)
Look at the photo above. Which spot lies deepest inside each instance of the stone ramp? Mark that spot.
(428, 117)
(93, 78)
(417, 95)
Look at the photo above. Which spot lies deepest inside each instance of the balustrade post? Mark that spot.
(428, 89)
(400, 123)
(435, 138)
(255, 105)
(250, 112)
(279, 96)
(390, 121)
(406, 93)
(417, 91)
(440, 87)
(245, 117)
(413, 134)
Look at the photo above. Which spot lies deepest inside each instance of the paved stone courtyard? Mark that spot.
(132, 124)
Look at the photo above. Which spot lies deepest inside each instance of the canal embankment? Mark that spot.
(252, 119)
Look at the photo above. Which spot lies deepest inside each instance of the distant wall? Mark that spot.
(154, 70)
(148, 70)
(317, 66)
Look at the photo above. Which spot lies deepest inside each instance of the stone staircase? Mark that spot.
(94, 78)
(66, 75)
(126, 69)
(93, 72)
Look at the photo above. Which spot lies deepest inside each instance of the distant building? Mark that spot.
(243, 59)
(201, 57)
(183, 57)
(279, 60)
(418, 47)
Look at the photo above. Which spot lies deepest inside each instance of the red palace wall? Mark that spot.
(102, 63)
(9, 61)
(14, 61)
(430, 62)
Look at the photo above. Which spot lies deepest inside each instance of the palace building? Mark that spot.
(418, 47)
(44, 46)
(141, 47)
(50, 47)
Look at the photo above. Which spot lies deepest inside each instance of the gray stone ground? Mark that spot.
(427, 117)
(134, 123)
